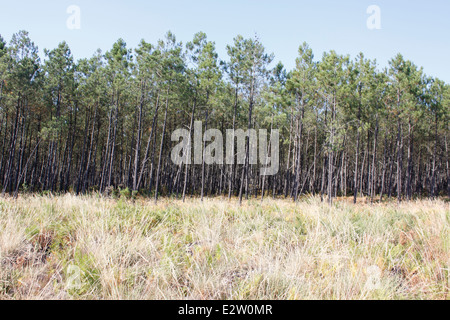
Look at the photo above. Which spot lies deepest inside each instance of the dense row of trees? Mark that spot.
(99, 124)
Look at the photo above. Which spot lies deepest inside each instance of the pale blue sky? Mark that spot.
(420, 30)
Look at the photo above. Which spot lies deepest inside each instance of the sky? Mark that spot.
(420, 30)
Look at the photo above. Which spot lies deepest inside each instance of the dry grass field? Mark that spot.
(68, 247)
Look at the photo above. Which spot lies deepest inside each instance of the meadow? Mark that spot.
(90, 247)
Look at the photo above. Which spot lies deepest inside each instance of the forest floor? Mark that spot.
(68, 247)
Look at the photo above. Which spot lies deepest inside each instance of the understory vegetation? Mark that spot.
(91, 247)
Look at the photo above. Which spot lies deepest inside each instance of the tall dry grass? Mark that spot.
(69, 247)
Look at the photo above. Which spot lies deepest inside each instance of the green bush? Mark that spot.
(125, 193)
